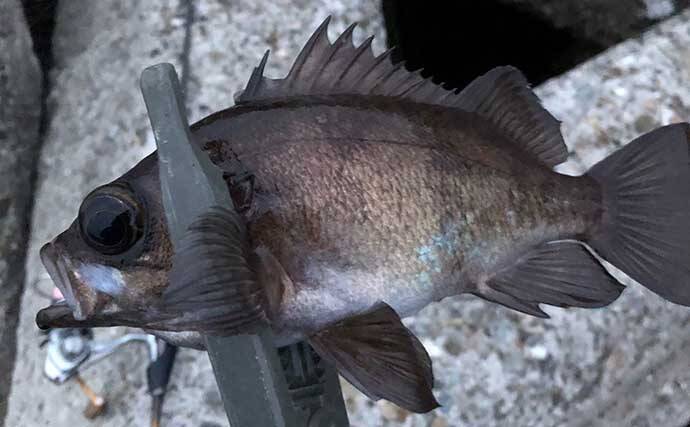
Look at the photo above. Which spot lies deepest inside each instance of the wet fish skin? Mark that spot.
(380, 200)
(368, 192)
(374, 200)
(142, 271)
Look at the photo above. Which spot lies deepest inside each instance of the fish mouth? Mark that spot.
(81, 307)
(56, 315)
(78, 297)
(61, 315)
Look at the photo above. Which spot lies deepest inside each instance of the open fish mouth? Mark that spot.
(61, 315)
(58, 314)
(76, 295)
(78, 309)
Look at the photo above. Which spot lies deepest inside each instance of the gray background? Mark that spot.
(624, 365)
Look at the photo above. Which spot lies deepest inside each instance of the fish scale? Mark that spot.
(367, 192)
(410, 188)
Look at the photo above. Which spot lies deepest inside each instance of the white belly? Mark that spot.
(330, 295)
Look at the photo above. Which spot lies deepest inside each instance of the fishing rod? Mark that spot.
(261, 385)
(70, 351)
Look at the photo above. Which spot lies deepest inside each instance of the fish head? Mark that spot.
(115, 256)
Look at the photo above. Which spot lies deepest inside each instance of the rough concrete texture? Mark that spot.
(623, 365)
(229, 39)
(20, 108)
(98, 130)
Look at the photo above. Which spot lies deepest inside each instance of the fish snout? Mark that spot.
(78, 295)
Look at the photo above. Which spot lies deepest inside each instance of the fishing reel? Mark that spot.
(69, 351)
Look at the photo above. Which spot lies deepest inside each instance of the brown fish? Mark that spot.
(367, 193)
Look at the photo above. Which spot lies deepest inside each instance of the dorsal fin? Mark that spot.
(325, 68)
(504, 97)
(341, 68)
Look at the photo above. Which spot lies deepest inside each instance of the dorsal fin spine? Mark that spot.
(344, 39)
(445, 95)
(305, 54)
(412, 89)
(369, 73)
(502, 96)
(346, 36)
(384, 79)
(257, 75)
(358, 53)
(402, 83)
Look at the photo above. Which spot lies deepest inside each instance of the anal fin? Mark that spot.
(377, 354)
(562, 273)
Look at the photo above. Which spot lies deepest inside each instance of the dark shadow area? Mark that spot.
(457, 41)
(26, 111)
(40, 17)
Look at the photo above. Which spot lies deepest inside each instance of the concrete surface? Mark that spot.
(99, 129)
(624, 365)
(229, 38)
(20, 108)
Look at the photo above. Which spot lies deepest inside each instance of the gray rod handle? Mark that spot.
(247, 369)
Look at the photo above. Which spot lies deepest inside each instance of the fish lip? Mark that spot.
(61, 315)
(60, 270)
(54, 315)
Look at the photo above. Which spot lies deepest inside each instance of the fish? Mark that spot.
(361, 193)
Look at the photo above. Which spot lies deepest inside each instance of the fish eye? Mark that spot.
(110, 224)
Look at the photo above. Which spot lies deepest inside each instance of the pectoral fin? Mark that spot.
(212, 287)
(272, 276)
(381, 357)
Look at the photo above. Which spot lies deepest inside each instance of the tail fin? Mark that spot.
(645, 228)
